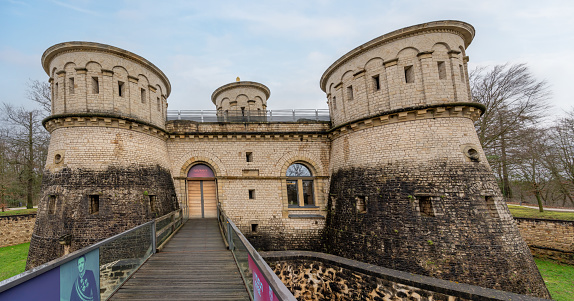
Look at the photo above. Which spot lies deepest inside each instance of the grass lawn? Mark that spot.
(518, 211)
(559, 279)
(16, 212)
(13, 260)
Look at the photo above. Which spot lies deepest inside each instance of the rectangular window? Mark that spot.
(254, 228)
(361, 204)
(95, 85)
(491, 206)
(158, 104)
(249, 156)
(121, 89)
(251, 194)
(461, 73)
(71, 82)
(143, 95)
(308, 193)
(334, 103)
(52, 204)
(350, 92)
(94, 204)
(376, 83)
(409, 74)
(56, 91)
(441, 70)
(292, 193)
(425, 206)
(152, 203)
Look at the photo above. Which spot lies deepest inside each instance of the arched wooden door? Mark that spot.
(201, 192)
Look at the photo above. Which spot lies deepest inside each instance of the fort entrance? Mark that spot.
(201, 195)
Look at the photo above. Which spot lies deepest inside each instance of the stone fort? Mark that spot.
(395, 176)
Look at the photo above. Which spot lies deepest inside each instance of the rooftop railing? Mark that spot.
(299, 115)
(260, 280)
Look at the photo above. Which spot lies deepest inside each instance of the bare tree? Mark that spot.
(41, 93)
(514, 99)
(27, 139)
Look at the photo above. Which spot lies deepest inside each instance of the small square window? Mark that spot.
(361, 204)
(251, 194)
(441, 70)
(491, 206)
(409, 74)
(425, 206)
(350, 92)
(95, 85)
(376, 83)
(249, 156)
(94, 204)
(52, 204)
(254, 228)
(71, 83)
(143, 95)
(152, 203)
(121, 86)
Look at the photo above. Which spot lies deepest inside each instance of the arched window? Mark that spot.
(299, 186)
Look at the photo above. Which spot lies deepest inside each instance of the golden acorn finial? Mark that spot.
(237, 79)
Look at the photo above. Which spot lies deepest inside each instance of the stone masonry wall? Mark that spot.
(16, 229)
(274, 146)
(320, 276)
(549, 238)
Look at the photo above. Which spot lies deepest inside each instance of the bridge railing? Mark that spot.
(297, 115)
(260, 280)
(114, 259)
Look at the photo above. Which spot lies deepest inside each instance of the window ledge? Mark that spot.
(306, 216)
(303, 207)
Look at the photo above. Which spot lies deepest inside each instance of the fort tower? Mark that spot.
(107, 167)
(411, 188)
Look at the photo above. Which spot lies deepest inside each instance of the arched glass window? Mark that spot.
(299, 186)
(200, 171)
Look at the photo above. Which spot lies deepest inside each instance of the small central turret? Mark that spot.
(241, 100)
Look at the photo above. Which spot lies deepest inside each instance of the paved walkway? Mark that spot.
(545, 208)
(194, 265)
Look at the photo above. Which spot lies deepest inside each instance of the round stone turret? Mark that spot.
(410, 184)
(241, 96)
(107, 168)
(92, 78)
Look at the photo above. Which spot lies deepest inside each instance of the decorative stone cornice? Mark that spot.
(250, 136)
(76, 46)
(102, 120)
(462, 29)
(466, 110)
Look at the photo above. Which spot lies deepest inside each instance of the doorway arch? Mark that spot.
(201, 192)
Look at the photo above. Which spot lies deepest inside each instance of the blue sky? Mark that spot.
(286, 45)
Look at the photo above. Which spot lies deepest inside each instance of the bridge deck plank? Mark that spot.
(194, 265)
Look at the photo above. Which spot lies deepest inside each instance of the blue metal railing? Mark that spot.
(116, 258)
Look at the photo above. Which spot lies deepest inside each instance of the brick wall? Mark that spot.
(549, 238)
(16, 229)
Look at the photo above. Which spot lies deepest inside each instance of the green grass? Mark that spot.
(559, 279)
(13, 260)
(518, 211)
(16, 212)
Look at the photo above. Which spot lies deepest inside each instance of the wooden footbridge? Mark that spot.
(194, 265)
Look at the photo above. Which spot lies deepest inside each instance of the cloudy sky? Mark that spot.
(286, 45)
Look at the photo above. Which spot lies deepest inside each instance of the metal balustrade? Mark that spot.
(298, 115)
(261, 281)
(116, 258)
